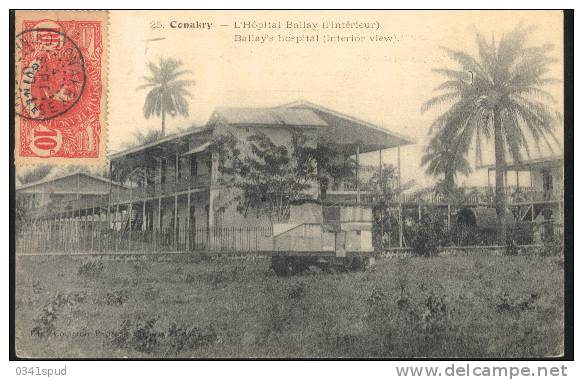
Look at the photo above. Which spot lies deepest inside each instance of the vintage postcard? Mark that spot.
(290, 184)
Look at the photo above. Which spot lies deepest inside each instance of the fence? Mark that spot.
(95, 237)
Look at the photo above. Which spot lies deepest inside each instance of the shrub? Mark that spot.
(297, 291)
(90, 268)
(151, 293)
(141, 267)
(37, 287)
(179, 338)
(144, 337)
(516, 304)
(511, 248)
(116, 297)
(44, 324)
(190, 278)
(147, 337)
(552, 247)
(425, 237)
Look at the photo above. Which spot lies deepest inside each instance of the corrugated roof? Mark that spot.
(49, 179)
(528, 163)
(165, 139)
(270, 116)
(303, 104)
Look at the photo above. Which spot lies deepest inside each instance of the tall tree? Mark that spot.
(498, 94)
(167, 92)
(269, 177)
(443, 158)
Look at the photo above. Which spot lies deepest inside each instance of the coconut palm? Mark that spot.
(443, 158)
(498, 94)
(167, 93)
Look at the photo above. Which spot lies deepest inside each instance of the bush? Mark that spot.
(141, 267)
(44, 324)
(516, 304)
(425, 237)
(116, 297)
(190, 278)
(552, 247)
(90, 268)
(147, 337)
(511, 248)
(297, 291)
(179, 338)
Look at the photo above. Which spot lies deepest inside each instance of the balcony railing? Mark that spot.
(119, 195)
(471, 195)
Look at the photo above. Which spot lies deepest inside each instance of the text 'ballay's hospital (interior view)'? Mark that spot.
(168, 196)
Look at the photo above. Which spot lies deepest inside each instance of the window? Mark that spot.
(163, 171)
(193, 166)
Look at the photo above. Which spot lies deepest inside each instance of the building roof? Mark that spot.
(531, 163)
(273, 116)
(334, 125)
(397, 138)
(165, 139)
(49, 179)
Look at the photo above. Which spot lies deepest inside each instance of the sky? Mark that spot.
(384, 80)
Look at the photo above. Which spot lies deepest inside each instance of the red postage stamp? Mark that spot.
(60, 99)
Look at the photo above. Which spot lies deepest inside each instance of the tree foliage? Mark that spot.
(167, 92)
(442, 158)
(499, 95)
(270, 177)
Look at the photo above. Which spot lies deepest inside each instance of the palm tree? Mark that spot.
(443, 158)
(167, 92)
(499, 94)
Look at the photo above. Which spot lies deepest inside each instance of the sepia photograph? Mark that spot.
(300, 184)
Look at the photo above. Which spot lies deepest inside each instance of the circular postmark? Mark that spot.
(50, 73)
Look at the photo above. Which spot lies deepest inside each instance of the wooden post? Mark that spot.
(357, 175)
(108, 216)
(188, 221)
(382, 193)
(419, 212)
(130, 211)
(399, 190)
(448, 216)
(159, 214)
(144, 203)
(159, 185)
(176, 202)
(118, 233)
(92, 225)
(517, 180)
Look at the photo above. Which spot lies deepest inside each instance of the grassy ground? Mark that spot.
(453, 306)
